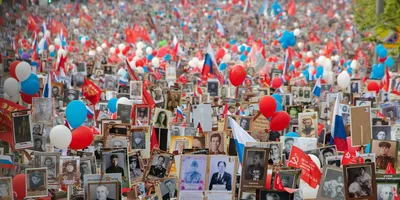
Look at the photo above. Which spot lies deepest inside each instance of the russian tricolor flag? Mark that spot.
(317, 88)
(338, 131)
(47, 87)
(220, 28)
(241, 137)
(240, 111)
(6, 162)
(208, 65)
(176, 12)
(90, 112)
(179, 113)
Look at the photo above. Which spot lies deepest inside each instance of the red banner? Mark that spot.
(91, 91)
(349, 157)
(310, 172)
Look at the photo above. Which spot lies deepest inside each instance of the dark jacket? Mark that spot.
(116, 169)
(166, 196)
(155, 170)
(225, 180)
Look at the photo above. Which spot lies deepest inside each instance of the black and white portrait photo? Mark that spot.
(23, 137)
(37, 129)
(384, 97)
(115, 163)
(288, 144)
(110, 82)
(355, 87)
(6, 189)
(224, 92)
(70, 95)
(123, 89)
(254, 165)
(135, 90)
(221, 173)
(124, 112)
(38, 143)
(138, 140)
(161, 118)
(332, 184)
(99, 144)
(274, 195)
(326, 152)
(168, 189)
(216, 143)
(103, 191)
(334, 161)
(275, 153)
(118, 142)
(386, 191)
(142, 115)
(160, 163)
(69, 169)
(78, 79)
(36, 182)
(381, 132)
(245, 123)
(135, 167)
(157, 95)
(86, 168)
(192, 173)
(190, 131)
(212, 88)
(359, 180)
(288, 179)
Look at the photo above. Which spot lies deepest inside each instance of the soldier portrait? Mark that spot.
(36, 182)
(192, 172)
(69, 171)
(386, 152)
(216, 143)
(159, 166)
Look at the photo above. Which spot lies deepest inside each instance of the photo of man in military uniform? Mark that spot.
(114, 168)
(255, 171)
(383, 158)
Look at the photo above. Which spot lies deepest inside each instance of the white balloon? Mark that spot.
(47, 33)
(295, 24)
(140, 70)
(14, 98)
(296, 32)
(337, 58)
(51, 48)
(328, 76)
(354, 64)
(349, 40)
(327, 63)
(192, 63)
(149, 50)
(316, 160)
(56, 41)
(309, 54)
(195, 59)
(60, 136)
(92, 53)
(112, 50)
(104, 45)
(23, 71)
(155, 62)
(12, 86)
(121, 46)
(300, 45)
(99, 49)
(226, 58)
(83, 40)
(343, 79)
(139, 45)
(139, 52)
(124, 100)
(121, 72)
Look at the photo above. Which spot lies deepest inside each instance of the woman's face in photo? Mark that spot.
(162, 117)
(70, 168)
(133, 164)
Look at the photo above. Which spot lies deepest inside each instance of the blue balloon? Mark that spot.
(368, 148)
(31, 85)
(63, 43)
(278, 107)
(319, 71)
(232, 42)
(243, 57)
(291, 134)
(389, 61)
(383, 53)
(379, 47)
(291, 68)
(146, 69)
(276, 8)
(350, 70)
(112, 105)
(277, 98)
(242, 48)
(52, 54)
(35, 64)
(248, 49)
(222, 66)
(167, 57)
(306, 74)
(150, 57)
(76, 113)
(80, 37)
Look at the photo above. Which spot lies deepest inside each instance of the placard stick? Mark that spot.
(362, 136)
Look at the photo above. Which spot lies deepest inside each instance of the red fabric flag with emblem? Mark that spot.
(291, 8)
(130, 36)
(32, 25)
(349, 157)
(313, 37)
(56, 27)
(310, 172)
(390, 169)
(278, 183)
(91, 91)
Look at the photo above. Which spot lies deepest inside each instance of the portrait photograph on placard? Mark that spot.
(326, 152)
(161, 118)
(179, 143)
(333, 161)
(264, 194)
(216, 143)
(159, 165)
(275, 153)
(36, 182)
(222, 170)
(136, 166)
(381, 132)
(167, 189)
(88, 165)
(359, 181)
(70, 169)
(135, 91)
(308, 124)
(193, 172)
(173, 100)
(255, 163)
(332, 184)
(107, 191)
(115, 160)
(386, 152)
(50, 160)
(6, 188)
(142, 115)
(23, 137)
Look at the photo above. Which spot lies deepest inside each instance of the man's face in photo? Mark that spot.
(308, 123)
(257, 159)
(102, 193)
(114, 161)
(215, 142)
(170, 186)
(384, 150)
(221, 167)
(160, 160)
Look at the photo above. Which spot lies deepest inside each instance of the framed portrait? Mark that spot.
(212, 87)
(70, 169)
(108, 190)
(355, 87)
(290, 178)
(308, 124)
(222, 174)
(156, 93)
(379, 121)
(141, 140)
(136, 90)
(390, 110)
(326, 152)
(159, 165)
(70, 95)
(23, 137)
(170, 73)
(98, 73)
(49, 160)
(192, 173)
(264, 91)
(387, 185)
(199, 143)
(205, 98)
(162, 118)
(333, 161)
(123, 89)
(99, 180)
(36, 182)
(276, 73)
(110, 82)
(368, 157)
(386, 152)
(286, 99)
(187, 88)
(142, 115)
(115, 160)
(117, 131)
(167, 189)
(275, 153)
(42, 110)
(246, 122)
(7, 188)
(332, 184)
(136, 167)
(109, 69)
(365, 188)
(216, 143)
(108, 121)
(124, 113)
(357, 101)
(173, 100)
(226, 121)
(264, 194)
(224, 92)
(255, 163)
(88, 165)
(179, 143)
(381, 132)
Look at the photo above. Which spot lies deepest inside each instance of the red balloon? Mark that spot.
(220, 54)
(227, 45)
(237, 74)
(13, 66)
(297, 64)
(117, 50)
(279, 121)
(276, 82)
(373, 86)
(162, 52)
(28, 98)
(267, 106)
(70, 48)
(234, 48)
(139, 63)
(19, 186)
(81, 137)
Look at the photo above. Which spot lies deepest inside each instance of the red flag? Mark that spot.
(91, 91)
(291, 8)
(313, 37)
(199, 90)
(278, 183)
(329, 48)
(32, 25)
(225, 112)
(130, 36)
(390, 169)
(200, 128)
(339, 45)
(154, 141)
(86, 21)
(349, 157)
(310, 172)
(56, 27)
(396, 196)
